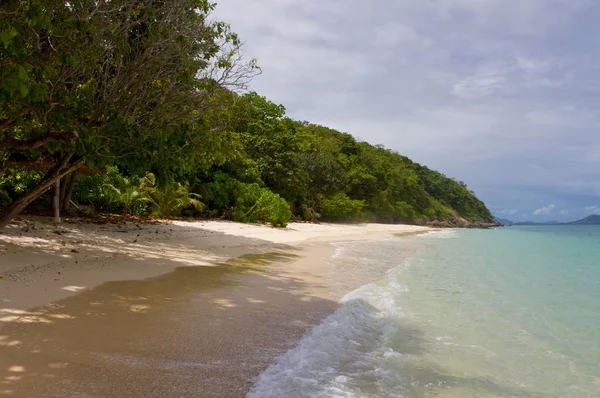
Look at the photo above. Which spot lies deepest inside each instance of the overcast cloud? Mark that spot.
(501, 94)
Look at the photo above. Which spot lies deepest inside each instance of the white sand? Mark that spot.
(139, 310)
(41, 262)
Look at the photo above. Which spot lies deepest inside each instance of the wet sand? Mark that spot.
(195, 331)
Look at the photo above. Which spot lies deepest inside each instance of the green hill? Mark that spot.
(146, 119)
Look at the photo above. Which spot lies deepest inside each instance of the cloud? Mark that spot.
(501, 94)
(592, 209)
(544, 211)
(508, 212)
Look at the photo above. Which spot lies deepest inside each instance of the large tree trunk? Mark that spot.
(61, 192)
(62, 168)
(66, 200)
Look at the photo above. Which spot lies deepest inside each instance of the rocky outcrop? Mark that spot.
(462, 223)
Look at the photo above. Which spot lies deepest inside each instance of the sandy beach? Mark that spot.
(177, 309)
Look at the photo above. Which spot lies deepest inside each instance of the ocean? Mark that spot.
(510, 312)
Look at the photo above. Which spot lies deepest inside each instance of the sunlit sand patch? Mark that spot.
(20, 316)
(11, 343)
(16, 369)
(6, 342)
(255, 301)
(61, 316)
(25, 319)
(225, 303)
(139, 308)
(74, 288)
(13, 378)
(13, 311)
(90, 313)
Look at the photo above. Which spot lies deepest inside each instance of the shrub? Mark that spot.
(256, 204)
(131, 197)
(405, 212)
(15, 181)
(95, 189)
(172, 199)
(340, 206)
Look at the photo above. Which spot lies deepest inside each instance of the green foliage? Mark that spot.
(220, 193)
(172, 199)
(340, 207)
(149, 87)
(132, 195)
(17, 180)
(274, 142)
(141, 85)
(93, 190)
(256, 204)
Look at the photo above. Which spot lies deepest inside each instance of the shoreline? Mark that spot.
(190, 307)
(41, 262)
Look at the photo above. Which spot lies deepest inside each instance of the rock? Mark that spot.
(460, 222)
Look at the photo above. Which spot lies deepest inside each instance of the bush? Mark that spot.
(172, 199)
(219, 194)
(405, 212)
(131, 197)
(94, 189)
(256, 204)
(340, 206)
(15, 181)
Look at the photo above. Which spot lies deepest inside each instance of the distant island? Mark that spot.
(594, 219)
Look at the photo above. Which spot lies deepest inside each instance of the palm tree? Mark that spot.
(128, 196)
(172, 199)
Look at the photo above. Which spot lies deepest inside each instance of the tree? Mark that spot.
(90, 83)
(274, 142)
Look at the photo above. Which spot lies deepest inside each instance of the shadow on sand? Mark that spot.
(194, 332)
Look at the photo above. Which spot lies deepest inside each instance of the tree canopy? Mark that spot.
(152, 87)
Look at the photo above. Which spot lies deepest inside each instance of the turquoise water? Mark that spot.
(496, 313)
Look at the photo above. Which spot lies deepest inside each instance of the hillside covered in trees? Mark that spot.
(138, 107)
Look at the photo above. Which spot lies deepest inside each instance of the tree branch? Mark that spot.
(23, 145)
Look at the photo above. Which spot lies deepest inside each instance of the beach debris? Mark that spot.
(74, 251)
(1, 277)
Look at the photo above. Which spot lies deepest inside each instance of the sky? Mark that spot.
(501, 94)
